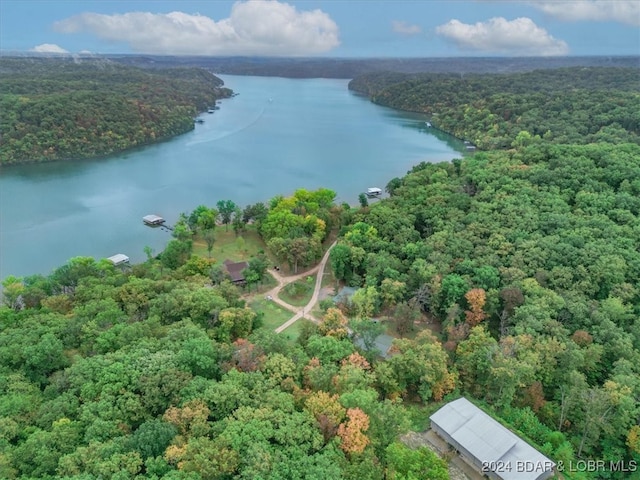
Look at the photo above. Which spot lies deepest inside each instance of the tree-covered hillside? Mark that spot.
(511, 277)
(57, 109)
(529, 260)
(327, 67)
(163, 371)
(573, 105)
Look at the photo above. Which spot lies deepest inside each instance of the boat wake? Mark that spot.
(229, 134)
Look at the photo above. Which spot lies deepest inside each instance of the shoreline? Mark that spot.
(96, 157)
(419, 112)
(131, 185)
(104, 156)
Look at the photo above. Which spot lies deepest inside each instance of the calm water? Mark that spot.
(276, 136)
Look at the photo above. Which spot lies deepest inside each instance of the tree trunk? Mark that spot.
(563, 406)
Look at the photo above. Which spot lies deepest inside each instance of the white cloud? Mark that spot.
(500, 36)
(48, 48)
(405, 28)
(623, 11)
(254, 28)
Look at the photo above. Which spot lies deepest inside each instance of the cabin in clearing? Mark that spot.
(234, 269)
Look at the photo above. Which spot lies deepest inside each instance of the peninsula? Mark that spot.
(65, 108)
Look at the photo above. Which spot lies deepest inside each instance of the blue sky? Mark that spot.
(333, 28)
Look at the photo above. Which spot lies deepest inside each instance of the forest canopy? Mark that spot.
(567, 105)
(510, 276)
(56, 109)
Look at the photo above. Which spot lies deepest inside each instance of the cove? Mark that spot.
(275, 136)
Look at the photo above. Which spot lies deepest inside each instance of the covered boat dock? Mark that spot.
(119, 259)
(153, 220)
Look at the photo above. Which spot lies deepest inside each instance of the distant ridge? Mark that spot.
(352, 67)
(342, 67)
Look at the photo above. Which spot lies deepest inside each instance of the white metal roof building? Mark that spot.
(492, 448)
(152, 220)
(118, 259)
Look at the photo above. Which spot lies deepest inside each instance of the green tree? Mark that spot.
(453, 289)
(366, 302)
(226, 209)
(393, 185)
(367, 331)
(405, 464)
(474, 358)
(176, 253)
(340, 258)
(152, 438)
(181, 231)
(420, 366)
(392, 291)
(238, 221)
(259, 264)
(203, 218)
(254, 213)
(12, 290)
(208, 459)
(235, 323)
(209, 236)
(148, 251)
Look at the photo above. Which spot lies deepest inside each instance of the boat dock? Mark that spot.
(119, 259)
(156, 221)
(373, 192)
(153, 220)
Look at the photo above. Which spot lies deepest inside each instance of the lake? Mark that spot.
(277, 135)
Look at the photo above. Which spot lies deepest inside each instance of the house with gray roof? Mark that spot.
(489, 446)
(344, 294)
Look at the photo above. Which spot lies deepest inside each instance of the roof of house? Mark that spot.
(235, 270)
(345, 293)
(489, 441)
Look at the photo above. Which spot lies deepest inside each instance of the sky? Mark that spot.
(326, 28)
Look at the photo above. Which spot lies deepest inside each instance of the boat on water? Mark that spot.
(373, 192)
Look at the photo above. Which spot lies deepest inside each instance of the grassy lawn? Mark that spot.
(299, 293)
(274, 314)
(268, 282)
(293, 332)
(317, 312)
(228, 246)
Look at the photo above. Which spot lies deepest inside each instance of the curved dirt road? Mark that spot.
(283, 281)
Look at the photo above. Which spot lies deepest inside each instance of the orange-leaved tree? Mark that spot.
(352, 431)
